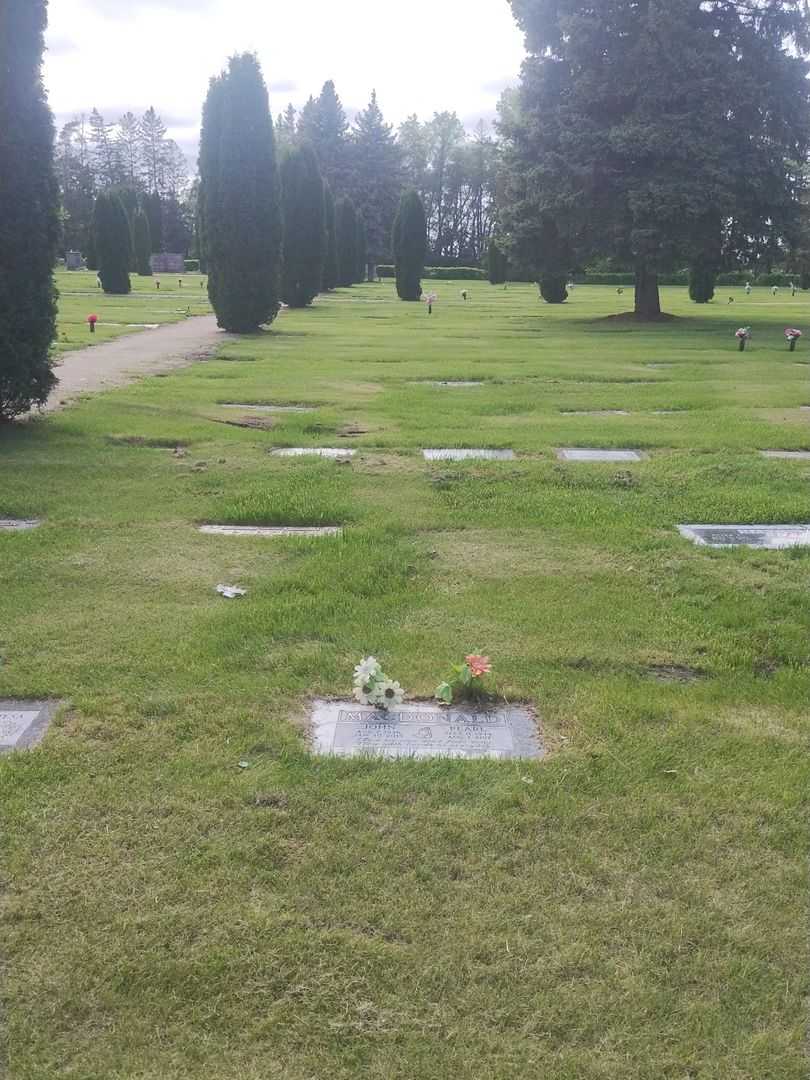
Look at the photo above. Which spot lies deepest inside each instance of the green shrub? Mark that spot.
(440, 273)
(552, 288)
(701, 284)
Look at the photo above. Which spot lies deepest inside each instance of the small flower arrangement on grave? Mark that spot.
(792, 335)
(373, 687)
(465, 681)
(743, 335)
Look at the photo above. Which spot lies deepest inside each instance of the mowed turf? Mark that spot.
(634, 906)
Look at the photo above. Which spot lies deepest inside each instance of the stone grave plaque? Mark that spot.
(594, 412)
(269, 408)
(790, 455)
(598, 455)
(18, 524)
(421, 730)
(466, 455)
(271, 530)
(773, 537)
(455, 383)
(314, 451)
(23, 723)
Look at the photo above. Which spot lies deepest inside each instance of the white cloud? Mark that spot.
(454, 54)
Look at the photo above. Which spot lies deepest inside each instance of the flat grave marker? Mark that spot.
(581, 454)
(454, 384)
(466, 455)
(18, 524)
(269, 408)
(272, 531)
(594, 412)
(313, 451)
(23, 723)
(772, 537)
(424, 730)
(789, 455)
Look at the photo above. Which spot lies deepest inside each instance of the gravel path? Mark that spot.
(143, 352)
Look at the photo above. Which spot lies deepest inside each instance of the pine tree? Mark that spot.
(410, 246)
(142, 243)
(323, 124)
(29, 212)
(153, 208)
(376, 177)
(330, 263)
(239, 200)
(153, 150)
(346, 236)
(286, 130)
(304, 226)
(361, 250)
(113, 243)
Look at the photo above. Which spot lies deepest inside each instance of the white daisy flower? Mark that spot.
(366, 693)
(366, 670)
(388, 694)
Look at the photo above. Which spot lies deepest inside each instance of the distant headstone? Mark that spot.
(795, 455)
(418, 730)
(465, 455)
(756, 536)
(168, 263)
(453, 384)
(18, 524)
(599, 455)
(23, 723)
(73, 260)
(271, 531)
(269, 408)
(594, 412)
(314, 451)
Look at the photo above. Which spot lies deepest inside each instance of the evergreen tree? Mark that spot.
(701, 283)
(376, 177)
(637, 119)
(153, 209)
(154, 150)
(323, 124)
(104, 155)
(286, 130)
(239, 199)
(497, 265)
(410, 246)
(128, 142)
(113, 243)
(142, 243)
(330, 262)
(29, 212)
(361, 250)
(346, 238)
(304, 226)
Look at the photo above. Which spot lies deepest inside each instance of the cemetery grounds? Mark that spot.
(189, 893)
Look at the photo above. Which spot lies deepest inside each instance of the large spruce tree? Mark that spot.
(346, 237)
(239, 199)
(323, 123)
(113, 243)
(410, 246)
(29, 219)
(376, 177)
(304, 226)
(142, 243)
(330, 262)
(639, 118)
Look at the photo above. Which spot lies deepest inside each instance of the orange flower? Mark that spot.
(478, 665)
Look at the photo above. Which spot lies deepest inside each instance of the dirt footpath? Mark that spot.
(130, 357)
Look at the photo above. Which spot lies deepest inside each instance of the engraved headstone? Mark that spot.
(419, 730)
(314, 451)
(168, 262)
(794, 455)
(271, 530)
(269, 408)
(18, 524)
(466, 455)
(23, 723)
(598, 455)
(73, 260)
(773, 537)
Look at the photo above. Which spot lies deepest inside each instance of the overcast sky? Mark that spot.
(130, 54)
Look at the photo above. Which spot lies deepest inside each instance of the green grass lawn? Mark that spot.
(634, 906)
(80, 296)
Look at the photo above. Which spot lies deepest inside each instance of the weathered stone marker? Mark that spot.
(419, 730)
(23, 723)
(271, 531)
(312, 451)
(599, 455)
(465, 455)
(18, 524)
(773, 537)
(794, 455)
(268, 408)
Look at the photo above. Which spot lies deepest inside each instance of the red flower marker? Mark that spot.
(92, 320)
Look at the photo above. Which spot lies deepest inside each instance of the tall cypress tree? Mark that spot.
(240, 204)
(29, 211)
(154, 211)
(361, 250)
(330, 263)
(410, 245)
(346, 236)
(142, 242)
(113, 243)
(304, 227)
